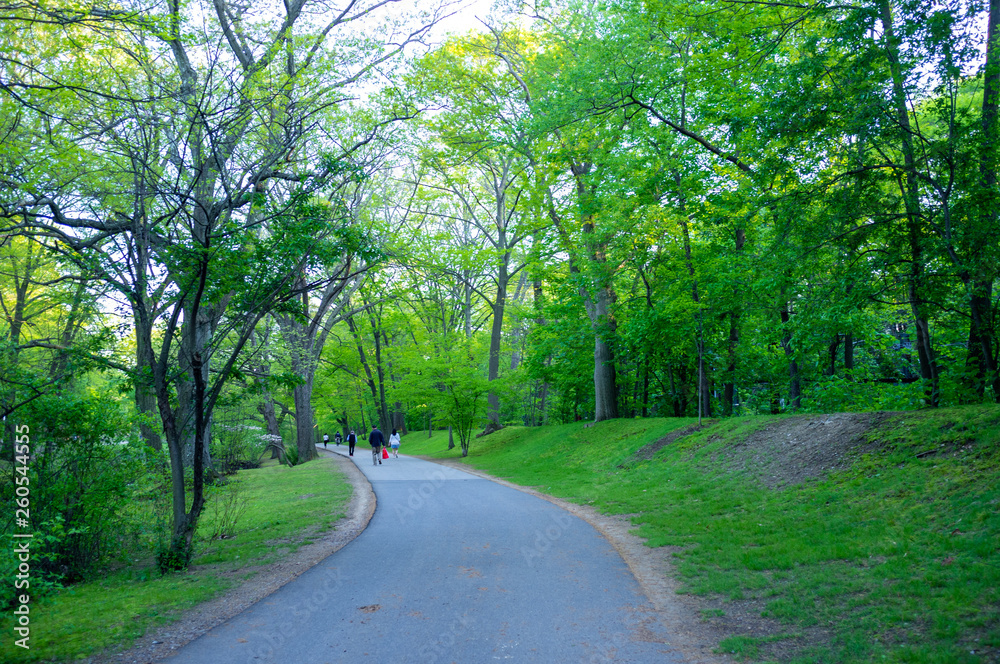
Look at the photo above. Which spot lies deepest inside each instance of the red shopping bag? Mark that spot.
(385, 453)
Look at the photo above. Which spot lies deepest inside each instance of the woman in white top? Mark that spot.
(394, 443)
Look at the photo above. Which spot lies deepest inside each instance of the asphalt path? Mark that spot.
(451, 568)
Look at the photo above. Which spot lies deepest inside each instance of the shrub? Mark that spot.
(236, 446)
(83, 470)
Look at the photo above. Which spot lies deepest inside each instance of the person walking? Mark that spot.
(326, 439)
(376, 440)
(394, 443)
(351, 442)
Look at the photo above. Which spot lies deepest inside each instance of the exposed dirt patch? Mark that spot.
(647, 452)
(789, 451)
(793, 450)
(162, 642)
(779, 642)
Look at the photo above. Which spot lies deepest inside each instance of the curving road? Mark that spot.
(451, 568)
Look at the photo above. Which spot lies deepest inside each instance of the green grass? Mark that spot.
(286, 508)
(897, 557)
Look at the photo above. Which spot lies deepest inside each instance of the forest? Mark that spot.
(228, 228)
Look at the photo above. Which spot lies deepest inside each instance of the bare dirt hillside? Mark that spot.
(791, 450)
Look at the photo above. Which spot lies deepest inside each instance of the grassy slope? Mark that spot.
(896, 559)
(286, 507)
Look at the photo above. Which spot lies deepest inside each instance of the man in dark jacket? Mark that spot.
(376, 440)
(351, 440)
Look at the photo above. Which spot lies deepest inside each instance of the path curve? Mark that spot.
(653, 568)
(163, 641)
(452, 567)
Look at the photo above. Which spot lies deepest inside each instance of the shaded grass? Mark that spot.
(898, 556)
(287, 507)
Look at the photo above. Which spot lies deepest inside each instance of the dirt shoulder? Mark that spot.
(162, 642)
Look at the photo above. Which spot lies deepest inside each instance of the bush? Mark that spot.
(83, 471)
(291, 456)
(236, 446)
(227, 502)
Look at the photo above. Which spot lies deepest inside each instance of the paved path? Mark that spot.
(451, 568)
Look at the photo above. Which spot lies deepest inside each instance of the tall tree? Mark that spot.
(482, 165)
(201, 124)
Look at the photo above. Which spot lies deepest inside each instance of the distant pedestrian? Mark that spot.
(337, 439)
(394, 443)
(326, 439)
(376, 440)
(351, 441)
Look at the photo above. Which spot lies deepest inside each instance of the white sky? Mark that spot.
(465, 19)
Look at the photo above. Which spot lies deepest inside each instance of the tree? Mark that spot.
(201, 124)
(481, 164)
(447, 374)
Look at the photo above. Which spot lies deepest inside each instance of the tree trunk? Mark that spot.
(178, 553)
(598, 308)
(145, 393)
(831, 367)
(300, 341)
(674, 398)
(849, 345)
(304, 337)
(58, 368)
(493, 398)
(500, 219)
(369, 376)
(145, 405)
(911, 199)
(380, 401)
(305, 424)
(195, 350)
(703, 390)
(542, 403)
(729, 386)
(399, 419)
(266, 409)
(849, 356)
(794, 384)
(645, 386)
(982, 287)
(982, 295)
(538, 302)
(605, 377)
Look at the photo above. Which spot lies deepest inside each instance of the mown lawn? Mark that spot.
(894, 559)
(282, 509)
